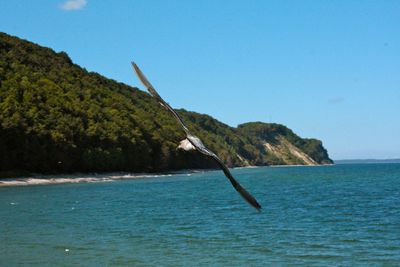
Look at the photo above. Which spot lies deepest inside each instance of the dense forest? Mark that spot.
(56, 117)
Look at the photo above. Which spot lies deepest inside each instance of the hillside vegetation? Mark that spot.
(57, 117)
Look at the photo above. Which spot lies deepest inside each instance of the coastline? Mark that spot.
(299, 165)
(78, 178)
(41, 179)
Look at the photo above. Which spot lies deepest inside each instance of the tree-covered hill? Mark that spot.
(57, 117)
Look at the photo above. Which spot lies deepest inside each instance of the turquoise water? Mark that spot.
(312, 216)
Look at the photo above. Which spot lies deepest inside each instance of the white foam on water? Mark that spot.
(63, 179)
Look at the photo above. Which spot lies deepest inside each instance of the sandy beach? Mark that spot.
(76, 178)
(109, 177)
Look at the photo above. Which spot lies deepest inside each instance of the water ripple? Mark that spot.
(342, 215)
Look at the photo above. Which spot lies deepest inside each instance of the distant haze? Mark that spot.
(366, 161)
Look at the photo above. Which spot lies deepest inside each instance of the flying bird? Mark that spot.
(193, 142)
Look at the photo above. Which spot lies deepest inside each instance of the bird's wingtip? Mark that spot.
(137, 69)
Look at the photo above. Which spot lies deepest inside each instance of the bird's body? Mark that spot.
(196, 142)
(186, 145)
(193, 142)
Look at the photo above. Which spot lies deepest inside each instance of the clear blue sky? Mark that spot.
(326, 69)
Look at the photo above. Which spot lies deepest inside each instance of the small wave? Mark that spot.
(64, 179)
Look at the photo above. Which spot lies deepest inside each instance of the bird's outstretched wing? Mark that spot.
(243, 192)
(154, 93)
(196, 142)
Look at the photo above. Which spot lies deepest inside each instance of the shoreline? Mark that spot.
(51, 179)
(80, 178)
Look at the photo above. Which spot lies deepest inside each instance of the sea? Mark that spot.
(339, 215)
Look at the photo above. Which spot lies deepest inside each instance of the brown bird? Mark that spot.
(193, 142)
